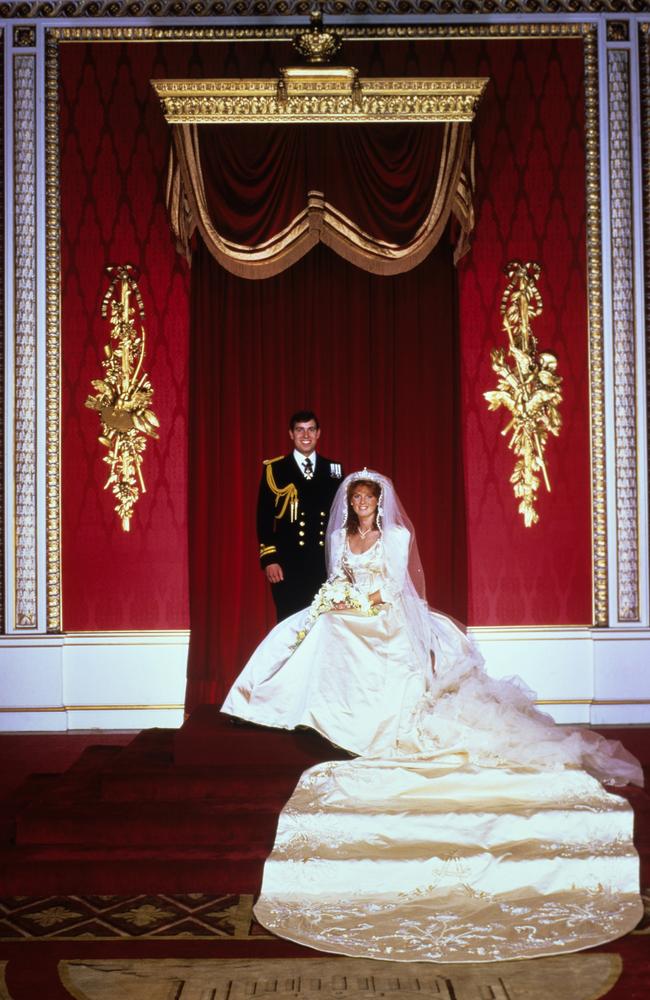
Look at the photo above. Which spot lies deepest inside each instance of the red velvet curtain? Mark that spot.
(376, 357)
(380, 177)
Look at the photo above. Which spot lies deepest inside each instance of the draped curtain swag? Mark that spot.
(261, 197)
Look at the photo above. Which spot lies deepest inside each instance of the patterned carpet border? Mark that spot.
(164, 917)
(190, 916)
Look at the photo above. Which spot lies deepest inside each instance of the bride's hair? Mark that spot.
(352, 522)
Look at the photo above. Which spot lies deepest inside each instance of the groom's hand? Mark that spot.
(274, 573)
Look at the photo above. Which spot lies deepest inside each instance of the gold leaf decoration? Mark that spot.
(528, 386)
(123, 396)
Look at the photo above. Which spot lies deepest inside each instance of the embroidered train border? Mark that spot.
(589, 33)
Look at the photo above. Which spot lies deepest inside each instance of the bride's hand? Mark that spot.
(340, 606)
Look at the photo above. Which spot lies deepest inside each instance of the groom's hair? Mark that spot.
(303, 417)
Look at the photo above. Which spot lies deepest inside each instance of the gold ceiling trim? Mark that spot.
(320, 96)
(494, 30)
(393, 32)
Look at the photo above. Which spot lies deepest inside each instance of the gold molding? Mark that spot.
(320, 96)
(595, 313)
(88, 33)
(175, 708)
(94, 708)
(24, 373)
(54, 616)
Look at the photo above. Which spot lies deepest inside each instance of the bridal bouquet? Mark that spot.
(330, 597)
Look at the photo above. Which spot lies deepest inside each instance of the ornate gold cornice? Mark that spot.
(170, 9)
(319, 95)
(393, 32)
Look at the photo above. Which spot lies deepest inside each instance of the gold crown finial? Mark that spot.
(317, 45)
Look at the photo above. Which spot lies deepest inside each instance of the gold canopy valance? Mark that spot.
(399, 187)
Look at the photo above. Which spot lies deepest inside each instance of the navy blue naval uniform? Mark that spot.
(292, 514)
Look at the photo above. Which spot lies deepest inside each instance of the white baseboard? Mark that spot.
(98, 680)
(136, 680)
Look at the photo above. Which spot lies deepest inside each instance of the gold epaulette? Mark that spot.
(288, 493)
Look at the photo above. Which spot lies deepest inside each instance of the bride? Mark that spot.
(470, 827)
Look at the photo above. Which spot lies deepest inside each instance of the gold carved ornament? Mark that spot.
(528, 386)
(124, 395)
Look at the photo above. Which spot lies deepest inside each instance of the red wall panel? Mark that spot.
(530, 205)
(113, 158)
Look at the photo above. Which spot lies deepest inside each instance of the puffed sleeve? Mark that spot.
(396, 558)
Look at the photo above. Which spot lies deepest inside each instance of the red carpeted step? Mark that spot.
(94, 758)
(188, 784)
(31, 790)
(39, 871)
(150, 747)
(210, 738)
(140, 824)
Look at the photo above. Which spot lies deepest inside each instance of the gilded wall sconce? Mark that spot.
(528, 386)
(123, 396)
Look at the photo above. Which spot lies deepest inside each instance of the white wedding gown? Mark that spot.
(470, 827)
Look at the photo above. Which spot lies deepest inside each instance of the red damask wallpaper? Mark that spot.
(530, 206)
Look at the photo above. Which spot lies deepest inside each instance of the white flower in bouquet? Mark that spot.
(330, 597)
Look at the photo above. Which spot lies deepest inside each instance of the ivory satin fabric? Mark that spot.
(470, 827)
(436, 860)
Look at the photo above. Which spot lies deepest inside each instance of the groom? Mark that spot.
(296, 492)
